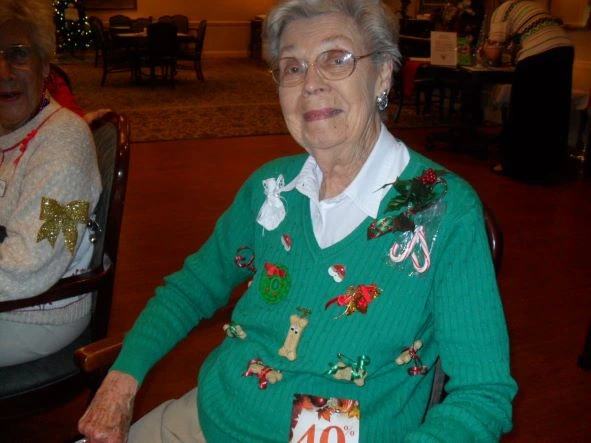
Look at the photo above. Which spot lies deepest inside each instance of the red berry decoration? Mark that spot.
(318, 401)
(429, 177)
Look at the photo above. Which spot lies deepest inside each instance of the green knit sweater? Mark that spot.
(453, 308)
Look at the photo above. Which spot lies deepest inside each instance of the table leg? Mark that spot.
(585, 358)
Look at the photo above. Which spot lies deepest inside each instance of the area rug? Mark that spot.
(238, 98)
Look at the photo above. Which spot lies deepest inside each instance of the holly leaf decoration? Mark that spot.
(354, 412)
(325, 413)
(414, 195)
(398, 202)
(418, 192)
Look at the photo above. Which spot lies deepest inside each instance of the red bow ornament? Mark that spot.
(357, 298)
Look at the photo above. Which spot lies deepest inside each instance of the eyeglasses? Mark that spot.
(335, 64)
(17, 55)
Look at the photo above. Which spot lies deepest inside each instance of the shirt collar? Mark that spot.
(385, 163)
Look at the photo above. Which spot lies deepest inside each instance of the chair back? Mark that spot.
(34, 386)
(495, 237)
(111, 136)
(165, 19)
(181, 22)
(200, 38)
(98, 31)
(162, 41)
(120, 20)
(140, 24)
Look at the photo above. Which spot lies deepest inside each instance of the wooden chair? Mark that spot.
(96, 23)
(53, 380)
(584, 360)
(420, 78)
(180, 22)
(194, 52)
(165, 19)
(119, 23)
(115, 58)
(163, 48)
(140, 24)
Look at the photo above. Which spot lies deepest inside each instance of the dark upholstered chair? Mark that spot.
(47, 382)
(193, 52)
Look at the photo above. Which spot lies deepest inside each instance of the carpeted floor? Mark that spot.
(238, 98)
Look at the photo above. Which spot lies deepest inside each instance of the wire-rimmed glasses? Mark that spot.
(335, 64)
(17, 55)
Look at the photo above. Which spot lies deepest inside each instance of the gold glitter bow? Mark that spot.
(63, 219)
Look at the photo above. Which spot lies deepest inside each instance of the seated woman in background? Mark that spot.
(49, 186)
(367, 261)
(536, 131)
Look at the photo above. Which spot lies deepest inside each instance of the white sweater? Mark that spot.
(59, 163)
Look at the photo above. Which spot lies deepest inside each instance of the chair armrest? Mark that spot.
(98, 355)
(64, 288)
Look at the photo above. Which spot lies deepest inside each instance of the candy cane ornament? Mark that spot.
(418, 237)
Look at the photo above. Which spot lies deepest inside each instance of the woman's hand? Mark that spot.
(493, 52)
(108, 417)
(89, 117)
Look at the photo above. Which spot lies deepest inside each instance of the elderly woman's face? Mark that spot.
(20, 83)
(324, 114)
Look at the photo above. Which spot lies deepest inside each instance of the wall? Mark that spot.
(582, 65)
(228, 28)
(228, 33)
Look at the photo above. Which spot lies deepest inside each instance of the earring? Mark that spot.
(382, 101)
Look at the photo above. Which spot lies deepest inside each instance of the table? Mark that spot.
(143, 36)
(464, 135)
(581, 103)
(137, 45)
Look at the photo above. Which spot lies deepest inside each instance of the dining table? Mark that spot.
(136, 43)
(464, 133)
(141, 37)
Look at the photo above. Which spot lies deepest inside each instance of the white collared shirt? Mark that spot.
(335, 218)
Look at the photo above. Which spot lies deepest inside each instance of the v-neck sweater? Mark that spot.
(454, 309)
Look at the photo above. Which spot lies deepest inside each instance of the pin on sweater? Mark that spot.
(296, 327)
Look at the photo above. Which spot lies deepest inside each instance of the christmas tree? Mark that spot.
(71, 23)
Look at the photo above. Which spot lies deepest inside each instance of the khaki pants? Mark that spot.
(24, 342)
(174, 421)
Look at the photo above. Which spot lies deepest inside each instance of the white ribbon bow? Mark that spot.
(273, 211)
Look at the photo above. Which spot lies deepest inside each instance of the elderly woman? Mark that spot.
(47, 165)
(367, 261)
(535, 149)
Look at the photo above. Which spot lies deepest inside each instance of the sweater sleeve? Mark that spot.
(471, 333)
(63, 168)
(499, 29)
(202, 286)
